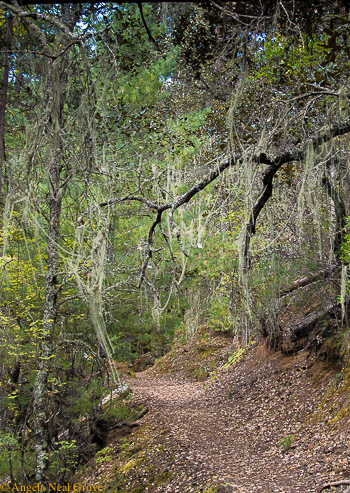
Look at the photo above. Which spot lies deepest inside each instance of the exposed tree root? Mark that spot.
(336, 483)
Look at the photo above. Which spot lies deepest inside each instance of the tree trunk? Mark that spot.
(340, 216)
(55, 85)
(50, 314)
(3, 97)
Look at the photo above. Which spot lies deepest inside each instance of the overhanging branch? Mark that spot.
(274, 163)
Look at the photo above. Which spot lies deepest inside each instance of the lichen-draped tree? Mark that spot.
(279, 106)
(280, 113)
(59, 173)
(60, 165)
(47, 148)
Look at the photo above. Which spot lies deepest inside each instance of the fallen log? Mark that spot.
(292, 337)
(303, 327)
(305, 281)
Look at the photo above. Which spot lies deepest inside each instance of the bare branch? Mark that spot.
(150, 250)
(151, 38)
(68, 298)
(176, 231)
(156, 294)
(42, 53)
(165, 236)
(136, 198)
(22, 14)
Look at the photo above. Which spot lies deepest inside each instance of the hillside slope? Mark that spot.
(267, 423)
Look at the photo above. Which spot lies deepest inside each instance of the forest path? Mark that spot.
(224, 439)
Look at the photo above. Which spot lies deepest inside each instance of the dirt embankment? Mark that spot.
(256, 422)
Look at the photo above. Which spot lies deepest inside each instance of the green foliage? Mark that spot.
(219, 317)
(125, 445)
(8, 446)
(119, 412)
(287, 442)
(235, 357)
(64, 460)
(282, 61)
(200, 372)
(102, 455)
(345, 247)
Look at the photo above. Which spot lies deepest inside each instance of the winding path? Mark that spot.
(233, 440)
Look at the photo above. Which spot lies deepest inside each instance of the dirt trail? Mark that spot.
(230, 430)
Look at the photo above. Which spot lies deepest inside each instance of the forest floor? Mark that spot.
(268, 423)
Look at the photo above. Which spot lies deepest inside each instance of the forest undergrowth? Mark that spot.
(256, 420)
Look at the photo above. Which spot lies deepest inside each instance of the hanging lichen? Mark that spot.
(235, 100)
